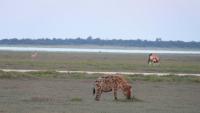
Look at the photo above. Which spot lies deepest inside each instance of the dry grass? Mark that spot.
(131, 78)
(100, 62)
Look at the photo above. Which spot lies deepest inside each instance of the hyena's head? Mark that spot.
(127, 91)
(96, 84)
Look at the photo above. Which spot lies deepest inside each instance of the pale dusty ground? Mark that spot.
(104, 72)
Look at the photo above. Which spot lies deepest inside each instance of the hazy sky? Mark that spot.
(107, 19)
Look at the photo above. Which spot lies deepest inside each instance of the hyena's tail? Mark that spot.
(94, 91)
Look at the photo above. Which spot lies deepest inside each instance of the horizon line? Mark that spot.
(92, 38)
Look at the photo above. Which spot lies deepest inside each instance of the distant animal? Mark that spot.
(110, 83)
(34, 55)
(153, 58)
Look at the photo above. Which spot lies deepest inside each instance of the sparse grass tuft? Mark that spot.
(133, 99)
(76, 99)
(10, 75)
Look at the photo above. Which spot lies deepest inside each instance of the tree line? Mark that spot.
(101, 42)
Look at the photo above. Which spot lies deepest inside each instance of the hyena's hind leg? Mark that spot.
(98, 93)
(115, 93)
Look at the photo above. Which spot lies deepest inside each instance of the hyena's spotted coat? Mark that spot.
(111, 83)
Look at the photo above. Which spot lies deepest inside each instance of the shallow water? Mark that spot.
(95, 50)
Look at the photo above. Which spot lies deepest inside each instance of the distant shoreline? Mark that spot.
(103, 43)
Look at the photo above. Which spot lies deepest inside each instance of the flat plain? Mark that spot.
(45, 95)
(170, 63)
(52, 92)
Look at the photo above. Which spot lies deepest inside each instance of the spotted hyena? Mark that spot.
(110, 83)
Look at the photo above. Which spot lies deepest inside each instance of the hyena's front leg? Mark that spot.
(98, 93)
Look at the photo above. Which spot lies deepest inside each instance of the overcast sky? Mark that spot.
(107, 19)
